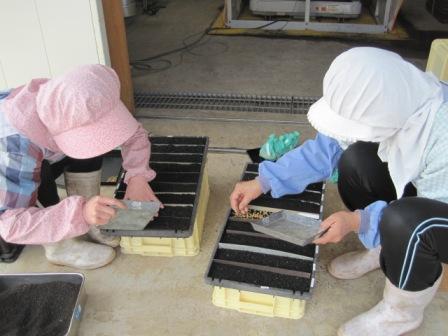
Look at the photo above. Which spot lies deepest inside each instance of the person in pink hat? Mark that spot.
(65, 124)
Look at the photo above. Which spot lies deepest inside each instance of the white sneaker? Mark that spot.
(79, 254)
(96, 235)
(398, 312)
(354, 265)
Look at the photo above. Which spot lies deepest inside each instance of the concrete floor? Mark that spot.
(238, 64)
(167, 296)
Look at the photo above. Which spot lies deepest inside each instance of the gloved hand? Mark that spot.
(276, 147)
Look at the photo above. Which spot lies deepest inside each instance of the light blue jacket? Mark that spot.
(316, 160)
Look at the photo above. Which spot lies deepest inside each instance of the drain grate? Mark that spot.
(224, 102)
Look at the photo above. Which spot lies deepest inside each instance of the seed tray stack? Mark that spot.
(182, 186)
(258, 274)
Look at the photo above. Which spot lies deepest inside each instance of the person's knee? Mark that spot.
(396, 222)
(355, 157)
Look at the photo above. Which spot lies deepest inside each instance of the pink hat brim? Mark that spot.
(99, 137)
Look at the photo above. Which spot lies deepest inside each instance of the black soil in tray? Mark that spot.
(265, 260)
(159, 148)
(259, 278)
(249, 176)
(177, 198)
(176, 168)
(178, 140)
(173, 187)
(287, 205)
(176, 211)
(169, 223)
(269, 243)
(162, 187)
(178, 162)
(37, 309)
(239, 226)
(193, 158)
(252, 167)
(177, 177)
(305, 196)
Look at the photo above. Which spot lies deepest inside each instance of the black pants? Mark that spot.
(47, 193)
(413, 230)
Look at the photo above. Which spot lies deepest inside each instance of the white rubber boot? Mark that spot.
(88, 185)
(398, 312)
(79, 254)
(355, 264)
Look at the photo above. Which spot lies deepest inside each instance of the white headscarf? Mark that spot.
(374, 95)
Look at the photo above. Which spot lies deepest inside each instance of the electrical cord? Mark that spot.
(266, 25)
(146, 63)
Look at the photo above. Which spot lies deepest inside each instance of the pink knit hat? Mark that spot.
(79, 113)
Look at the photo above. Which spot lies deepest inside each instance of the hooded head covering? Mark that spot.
(374, 95)
(79, 113)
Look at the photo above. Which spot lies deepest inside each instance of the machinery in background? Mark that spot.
(375, 16)
(297, 8)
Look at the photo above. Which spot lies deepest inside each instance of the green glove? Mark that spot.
(276, 147)
(334, 177)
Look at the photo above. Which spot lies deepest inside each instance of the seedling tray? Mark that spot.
(251, 261)
(179, 163)
(41, 303)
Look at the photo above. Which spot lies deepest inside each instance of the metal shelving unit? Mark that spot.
(383, 11)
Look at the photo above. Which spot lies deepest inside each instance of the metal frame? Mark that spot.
(382, 10)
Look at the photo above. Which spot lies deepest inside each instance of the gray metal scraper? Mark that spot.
(289, 226)
(135, 217)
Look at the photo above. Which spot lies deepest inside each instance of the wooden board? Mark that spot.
(118, 49)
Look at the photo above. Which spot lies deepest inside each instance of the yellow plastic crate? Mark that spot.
(438, 59)
(172, 247)
(438, 65)
(258, 304)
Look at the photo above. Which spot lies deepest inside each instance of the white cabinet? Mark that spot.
(43, 38)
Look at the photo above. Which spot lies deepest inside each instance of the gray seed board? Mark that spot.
(289, 226)
(248, 260)
(135, 217)
(179, 163)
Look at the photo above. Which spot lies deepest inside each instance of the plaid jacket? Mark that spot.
(20, 164)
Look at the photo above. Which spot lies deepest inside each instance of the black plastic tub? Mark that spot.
(41, 303)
